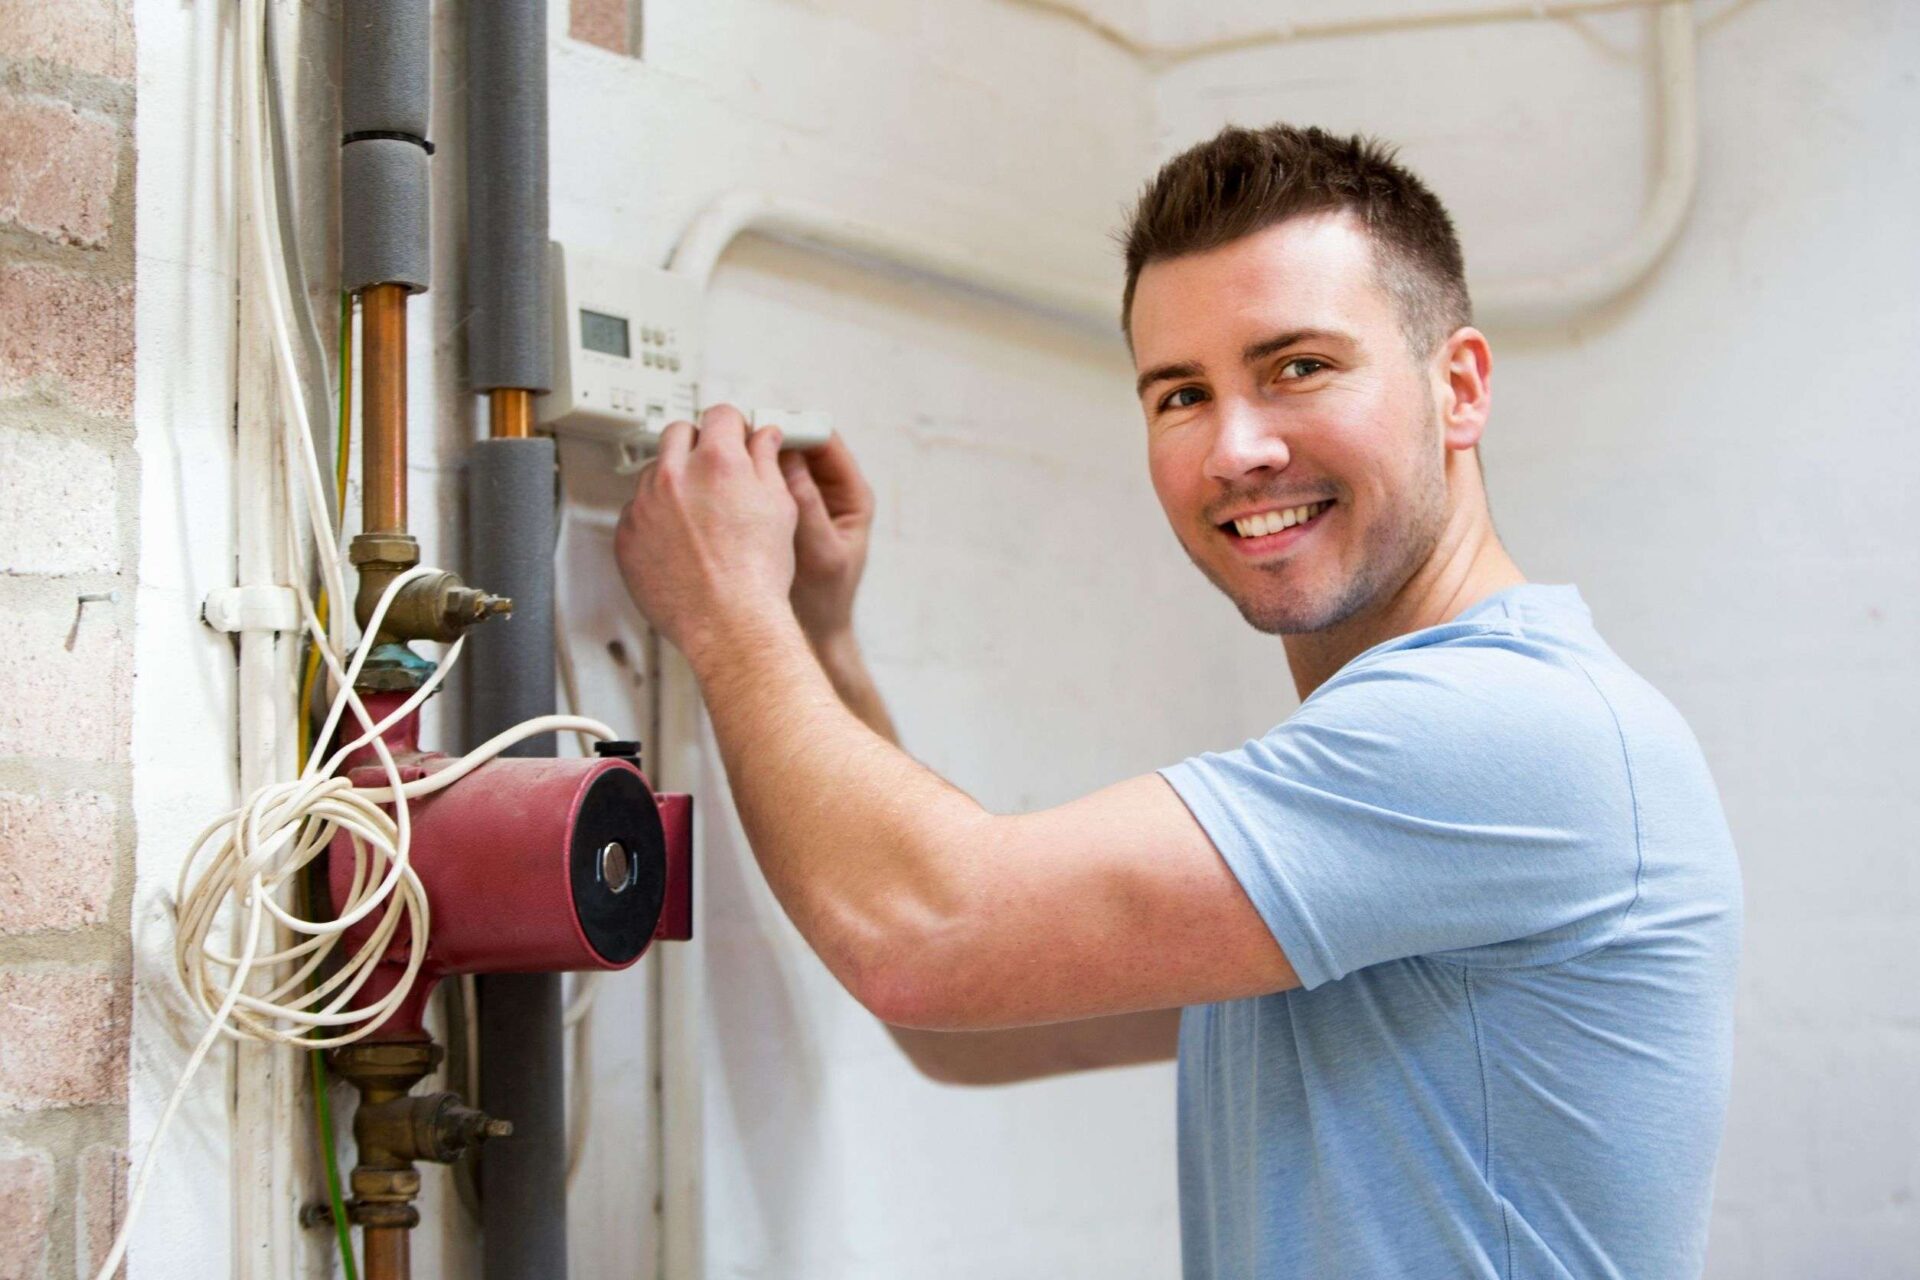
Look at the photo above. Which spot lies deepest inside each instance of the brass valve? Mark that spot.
(392, 1128)
(438, 606)
(431, 1126)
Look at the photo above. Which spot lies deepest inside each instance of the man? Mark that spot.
(1455, 943)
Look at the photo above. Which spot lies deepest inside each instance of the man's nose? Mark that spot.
(1245, 440)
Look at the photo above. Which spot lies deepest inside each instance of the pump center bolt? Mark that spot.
(617, 867)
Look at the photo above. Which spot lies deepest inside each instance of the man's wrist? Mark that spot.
(837, 649)
(732, 640)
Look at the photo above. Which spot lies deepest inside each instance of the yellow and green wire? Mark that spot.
(322, 1106)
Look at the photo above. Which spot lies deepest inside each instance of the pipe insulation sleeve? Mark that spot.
(510, 523)
(511, 506)
(387, 85)
(523, 1201)
(384, 215)
(509, 333)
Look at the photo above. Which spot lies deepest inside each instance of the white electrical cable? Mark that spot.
(263, 845)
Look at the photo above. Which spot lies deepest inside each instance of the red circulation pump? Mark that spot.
(530, 865)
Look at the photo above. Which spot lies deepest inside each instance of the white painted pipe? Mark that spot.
(1558, 295)
(739, 212)
(1524, 301)
(1159, 54)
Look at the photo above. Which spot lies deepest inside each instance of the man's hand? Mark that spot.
(830, 552)
(707, 542)
(830, 542)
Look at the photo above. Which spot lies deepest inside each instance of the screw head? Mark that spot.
(615, 867)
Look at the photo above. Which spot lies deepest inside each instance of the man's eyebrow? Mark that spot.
(1165, 373)
(1260, 350)
(1251, 353)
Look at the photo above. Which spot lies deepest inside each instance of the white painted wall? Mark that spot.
(1725, 462)
(184, 765)
(1036, 628)
(1025, 604)
(1024, 610)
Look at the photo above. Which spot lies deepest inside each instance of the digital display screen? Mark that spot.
(604, 333)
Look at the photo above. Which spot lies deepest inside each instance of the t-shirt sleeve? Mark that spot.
(1469, 801)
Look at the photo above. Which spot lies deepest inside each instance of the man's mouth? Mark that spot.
(1262, 524)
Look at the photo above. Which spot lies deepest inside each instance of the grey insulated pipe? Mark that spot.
(384, 102)
(508, 326)
(510, 678)
(510, 531)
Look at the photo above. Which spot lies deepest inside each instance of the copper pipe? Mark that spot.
(388, 1252)
(510, 413)
(383, 389)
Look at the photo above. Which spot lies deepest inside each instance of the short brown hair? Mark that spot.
(1245, 180)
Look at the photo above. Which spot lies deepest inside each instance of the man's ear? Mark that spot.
(1463, 382)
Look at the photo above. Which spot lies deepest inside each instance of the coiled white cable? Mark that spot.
(262, 846)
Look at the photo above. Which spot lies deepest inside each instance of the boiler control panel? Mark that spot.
(626, 358)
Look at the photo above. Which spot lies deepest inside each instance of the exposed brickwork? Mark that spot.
(90, 36)
(26, 1205)
(67, 336)
(602, 22)
(64, 682)
(103, 1201)
(67, 520)
(69, 471)
(58, 166)
(66, 1037)
(57, 860)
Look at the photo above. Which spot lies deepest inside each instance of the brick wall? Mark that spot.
(607, 23)
(67, 547)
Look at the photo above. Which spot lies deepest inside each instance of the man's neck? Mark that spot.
(1467, 565)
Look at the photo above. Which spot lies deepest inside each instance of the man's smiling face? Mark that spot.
(1293, 437)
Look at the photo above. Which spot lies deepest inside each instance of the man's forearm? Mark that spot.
(854, 837)
(1019, 1053)
(846, 669)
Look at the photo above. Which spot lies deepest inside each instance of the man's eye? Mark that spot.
(1302, 367)
(1176, 398)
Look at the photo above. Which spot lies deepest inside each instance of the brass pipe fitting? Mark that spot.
(510, 413)
(391, 1130)
(432, 1126)
(436, 606)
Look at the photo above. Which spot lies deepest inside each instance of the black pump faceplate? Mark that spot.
(618, 807)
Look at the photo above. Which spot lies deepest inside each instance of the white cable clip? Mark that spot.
(257, 608)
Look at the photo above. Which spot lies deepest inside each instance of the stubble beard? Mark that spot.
(1393, 549)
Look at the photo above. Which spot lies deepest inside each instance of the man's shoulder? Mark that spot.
(1511, 684)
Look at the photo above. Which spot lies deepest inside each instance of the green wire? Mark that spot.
(322, 1104)
(323, 1118)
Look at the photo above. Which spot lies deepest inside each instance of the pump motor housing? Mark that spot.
(532, 865)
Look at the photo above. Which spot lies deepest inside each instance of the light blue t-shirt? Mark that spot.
(1496, 860)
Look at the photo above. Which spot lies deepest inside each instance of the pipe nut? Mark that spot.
(383, 1186)
(401, 550)
(383, 1213)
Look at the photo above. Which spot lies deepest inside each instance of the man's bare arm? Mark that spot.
(1019, 1053)
(931, 911)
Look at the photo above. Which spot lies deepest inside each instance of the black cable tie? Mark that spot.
(391, 135)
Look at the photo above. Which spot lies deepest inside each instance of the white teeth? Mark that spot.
(1256, 526)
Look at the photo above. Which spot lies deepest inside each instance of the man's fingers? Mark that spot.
(723, 429)
(837, 475)
(806, 494)
(676, 442)
(764, 448)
